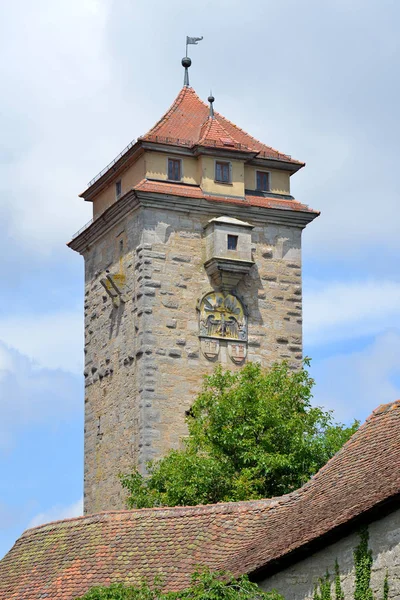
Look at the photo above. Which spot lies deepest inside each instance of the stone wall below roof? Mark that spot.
(297, 582)
(143, 359)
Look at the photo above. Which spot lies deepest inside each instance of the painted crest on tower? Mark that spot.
(222, 317)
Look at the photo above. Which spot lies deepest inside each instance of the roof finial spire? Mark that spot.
(211, 100)
(186, 61)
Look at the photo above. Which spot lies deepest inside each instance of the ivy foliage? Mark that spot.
(252, 434)
(324, 591)
(338, 584)
(363, 567)
(204, 586)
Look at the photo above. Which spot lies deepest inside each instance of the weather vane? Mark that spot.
(186, 61)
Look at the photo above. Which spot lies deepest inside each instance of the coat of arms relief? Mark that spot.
(222, 317)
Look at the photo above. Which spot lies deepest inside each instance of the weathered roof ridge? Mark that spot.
(163, 512)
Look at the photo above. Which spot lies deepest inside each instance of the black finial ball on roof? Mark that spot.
(186, 62)
(211, 98)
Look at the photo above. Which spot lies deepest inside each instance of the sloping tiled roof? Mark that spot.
(194, 191)
(185, 122)
(212, 133)
(62, 560)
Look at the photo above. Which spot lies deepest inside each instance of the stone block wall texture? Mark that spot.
(297, 582)
(143, 360)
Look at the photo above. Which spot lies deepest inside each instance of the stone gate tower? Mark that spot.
(193, 258)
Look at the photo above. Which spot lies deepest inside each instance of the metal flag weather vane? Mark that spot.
(186, 62)
(192, 40)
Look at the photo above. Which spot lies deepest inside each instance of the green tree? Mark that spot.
(204, 586)
(252, 434)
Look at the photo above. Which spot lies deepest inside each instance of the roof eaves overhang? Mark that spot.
(167, 148)
(277, 163)
(110, 217)
(234, 153)
(110, 171)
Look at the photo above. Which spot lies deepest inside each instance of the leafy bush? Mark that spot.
(204, 586)
(252, 434)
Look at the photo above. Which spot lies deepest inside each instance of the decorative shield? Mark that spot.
(222, 316)
(210, 348)
(237, 352)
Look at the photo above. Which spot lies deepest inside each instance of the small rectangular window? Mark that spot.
(222, 172)
(262, 181)
(232, 242)
(174, 169)
(118, 189)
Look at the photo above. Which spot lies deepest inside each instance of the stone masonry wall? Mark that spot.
(297, 582)
(144, 364)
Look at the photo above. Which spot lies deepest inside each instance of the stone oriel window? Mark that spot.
(262, 181)
(222, 171)
(174, 169)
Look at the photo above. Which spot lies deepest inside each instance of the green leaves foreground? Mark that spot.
(252, 434)
(204, 586)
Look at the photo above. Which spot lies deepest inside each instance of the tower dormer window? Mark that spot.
(222, 172)
(262, 181)
(174, 169)
(118, 189)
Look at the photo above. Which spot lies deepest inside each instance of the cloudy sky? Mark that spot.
(82, 78)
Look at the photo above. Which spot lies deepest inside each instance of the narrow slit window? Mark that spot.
(262, 181)
(174, 169)
(232, 242)
(223, 172)
(118, 189)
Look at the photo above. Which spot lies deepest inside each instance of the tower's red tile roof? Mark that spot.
(187, 122)
(62, 560)
(195, 191)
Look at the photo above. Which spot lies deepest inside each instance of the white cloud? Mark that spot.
(56, 72)
(30, 395)
(53, 341)
(353, 384)
(344, 310)
(57, 513)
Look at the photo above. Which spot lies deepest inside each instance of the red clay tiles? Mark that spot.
(187, 123)
(60, 561)
(194, 191)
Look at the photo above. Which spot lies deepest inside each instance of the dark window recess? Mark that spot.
(174, 169)
(118, 189)
(223, 172)
(262, 181)
(232, 242)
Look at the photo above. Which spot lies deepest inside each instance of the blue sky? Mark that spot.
(81, 79)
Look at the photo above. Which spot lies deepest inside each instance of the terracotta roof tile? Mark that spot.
(62, 560)
(186, 120)
(194, 191)
(213, 134)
